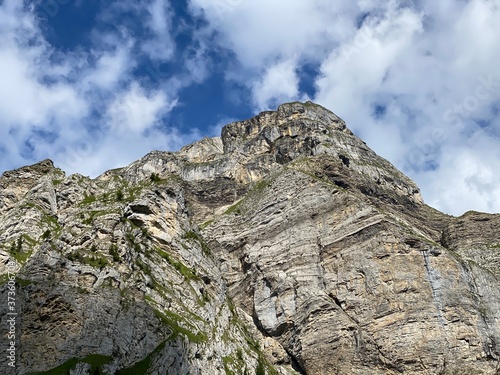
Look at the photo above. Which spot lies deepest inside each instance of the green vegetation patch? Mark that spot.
(131, 239)
(191, 235)
(264, 366)
(94, 260)
(4, 278)
(93, 214)
(185, 271)
(88, 199)
(17, 248)
(113, 251)
(206, 223)
(23, 282)
(252, 194)
(259, 186)
(238, 363)
(28, 240)
(228, 362)
(156, 179)
(234, 209)
(172, 320)
(143, 366)
(119, 195)
(96, 362)
(51, 222)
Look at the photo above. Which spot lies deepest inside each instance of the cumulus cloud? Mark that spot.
(278, 84)
(110, 68)
(268, 35)
(136, 111)
(83, 108)
(416, 80)
(476, 186)
(161, 46)
(261, 31)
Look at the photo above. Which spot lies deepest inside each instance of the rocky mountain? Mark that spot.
(285, 246)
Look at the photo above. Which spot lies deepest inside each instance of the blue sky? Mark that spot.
(95, 85)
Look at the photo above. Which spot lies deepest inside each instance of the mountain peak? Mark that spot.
(307, 130)
(247, 151)
(311, 111)
(289, 119)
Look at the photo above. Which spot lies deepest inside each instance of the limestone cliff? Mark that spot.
(285, 246)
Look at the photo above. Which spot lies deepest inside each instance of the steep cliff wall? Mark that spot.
(284, 246)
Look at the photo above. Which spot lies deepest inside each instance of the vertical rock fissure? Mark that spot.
(435, 285)
(294, 362)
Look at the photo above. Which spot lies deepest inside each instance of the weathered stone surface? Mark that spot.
(284, 246)
(475, 236)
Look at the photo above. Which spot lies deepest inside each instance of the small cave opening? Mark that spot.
(344, 159)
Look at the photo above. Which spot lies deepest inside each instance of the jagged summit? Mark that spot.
(251, 149)
(289, 120)
(284, 246)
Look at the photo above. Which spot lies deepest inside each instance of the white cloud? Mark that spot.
(136, 111)
(266, 35)
(110, 69)
(475, 187)
(160, 17)
(354, 72)
(261, 31)
(25, 100)
(161, 46)
(278, 84)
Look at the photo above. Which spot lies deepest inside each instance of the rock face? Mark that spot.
(285, 246)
